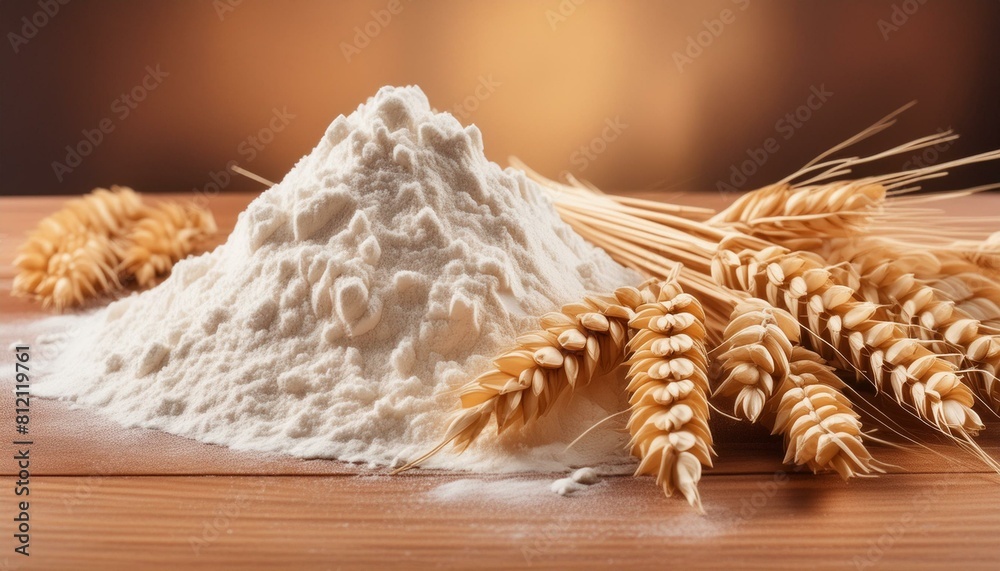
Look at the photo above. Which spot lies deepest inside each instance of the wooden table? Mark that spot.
(112, 498)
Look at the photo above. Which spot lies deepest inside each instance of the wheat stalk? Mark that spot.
(820, 428)
(845, 330)
(668, 388)
(755, 352)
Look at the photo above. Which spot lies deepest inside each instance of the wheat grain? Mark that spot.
(820, 428)
(754, 355)
(974, 294)
(668, 387)
(845, 330)
(164, 235)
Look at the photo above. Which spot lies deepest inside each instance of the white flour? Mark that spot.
(350, 302)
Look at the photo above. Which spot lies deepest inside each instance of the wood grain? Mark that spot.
(254, 522)
(113, 498)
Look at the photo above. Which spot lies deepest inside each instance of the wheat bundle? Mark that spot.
(845, 330)
(785, 245)
(74, 253)
(102, 239)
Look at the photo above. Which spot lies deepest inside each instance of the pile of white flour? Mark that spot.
(348, 305)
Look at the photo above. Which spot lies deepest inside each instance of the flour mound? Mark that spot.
(349, 303)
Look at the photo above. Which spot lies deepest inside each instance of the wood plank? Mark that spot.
(104, 496)
(911, 522)
(98, 445)
(70, 441)
(77, 441)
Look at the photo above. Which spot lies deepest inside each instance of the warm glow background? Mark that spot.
(560, 69)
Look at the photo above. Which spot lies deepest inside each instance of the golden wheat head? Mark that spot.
(754, 354)
(668, 387)
(844, 329)
(166, 234)
(819, 425)
(73, 254)
(575, 345)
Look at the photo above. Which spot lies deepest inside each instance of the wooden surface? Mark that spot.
(104, 497)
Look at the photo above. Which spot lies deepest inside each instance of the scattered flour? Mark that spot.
(510, 491)
(586, 476)
(566, 487)
(349, 303)
(576, 482)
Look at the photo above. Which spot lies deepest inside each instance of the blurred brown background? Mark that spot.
(630, 95)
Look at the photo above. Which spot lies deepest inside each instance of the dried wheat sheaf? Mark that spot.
(812, 276)
(102, 240)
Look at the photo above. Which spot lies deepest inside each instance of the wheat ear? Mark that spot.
(782, 212)
(82, 250)
(819, 425)
(757, 345)
(926, 313)
(974, 294)
(582, 341)
(106, 211)
(845, 330)
(164, 235)
(73, 254)
(668, 387)
(765, 367)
